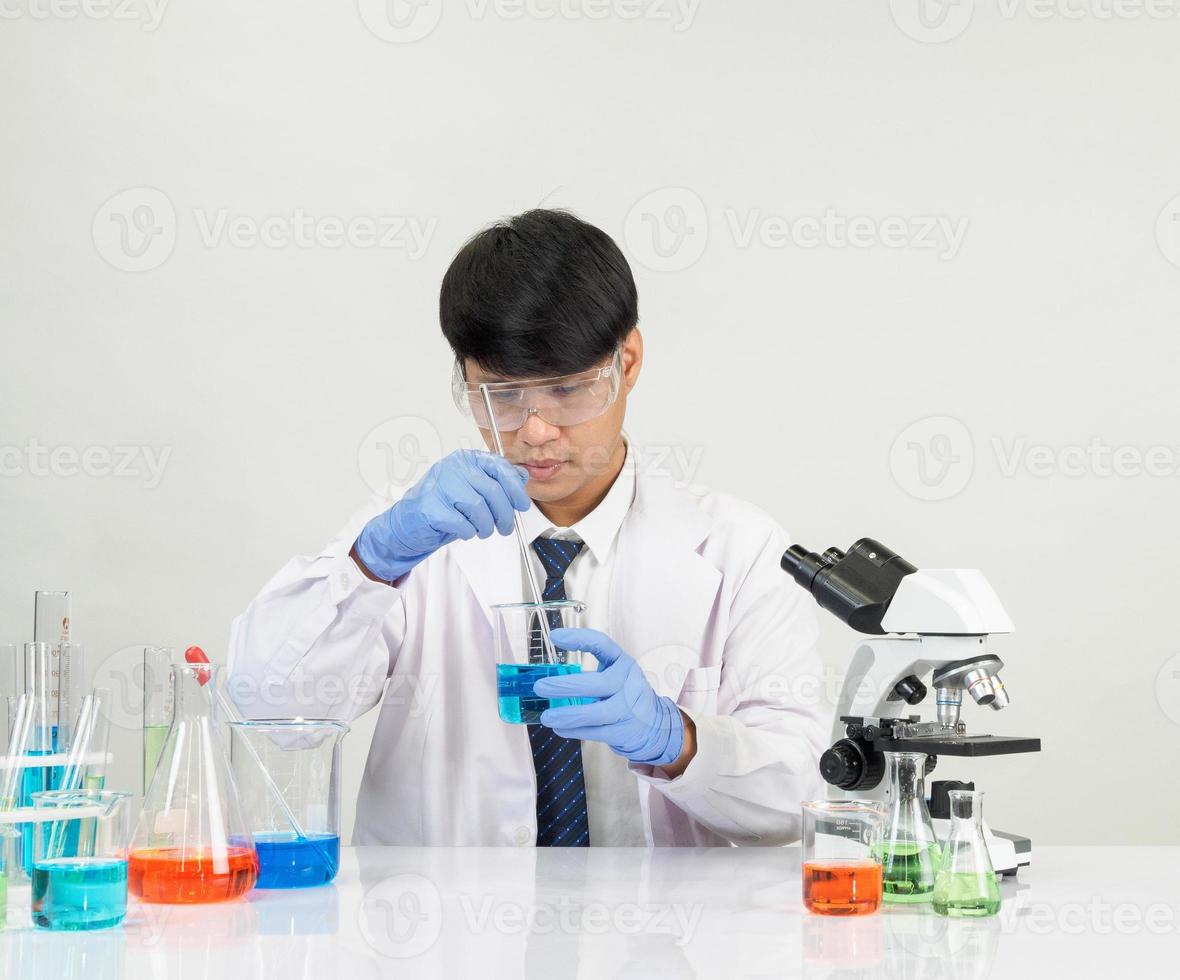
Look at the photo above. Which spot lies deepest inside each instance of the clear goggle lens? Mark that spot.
(562, 401)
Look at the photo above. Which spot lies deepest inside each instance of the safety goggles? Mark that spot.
(566, 400)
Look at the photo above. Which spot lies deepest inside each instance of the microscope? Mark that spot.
(920, 622)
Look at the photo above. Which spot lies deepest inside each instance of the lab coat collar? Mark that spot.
(598, 528)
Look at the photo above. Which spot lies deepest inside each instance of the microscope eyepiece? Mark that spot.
(856, 586)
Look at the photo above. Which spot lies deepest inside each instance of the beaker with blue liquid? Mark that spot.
(288, 776)
(79, 873)
(523, 656)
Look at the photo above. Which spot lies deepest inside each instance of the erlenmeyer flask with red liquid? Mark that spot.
(192, 842)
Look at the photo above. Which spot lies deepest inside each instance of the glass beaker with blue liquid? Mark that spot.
(288, 776)
(523, 656)
(79, 871)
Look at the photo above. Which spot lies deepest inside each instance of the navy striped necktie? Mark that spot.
(562, 820)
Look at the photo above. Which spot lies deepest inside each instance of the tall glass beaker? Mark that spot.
(288, 771)
(966, 882)
(522, 658)
(909, 848)
(192, 842)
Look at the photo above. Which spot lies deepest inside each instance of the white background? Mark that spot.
(795, 373)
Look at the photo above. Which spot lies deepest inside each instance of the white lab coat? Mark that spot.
(698, 598)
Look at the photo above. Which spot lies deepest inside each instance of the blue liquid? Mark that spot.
(518, 704)
(79, 893)
(286, 861)
(33, 780)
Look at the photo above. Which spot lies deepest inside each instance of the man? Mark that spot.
(705, 650)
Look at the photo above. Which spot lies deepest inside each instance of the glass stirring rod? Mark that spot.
(520, 539)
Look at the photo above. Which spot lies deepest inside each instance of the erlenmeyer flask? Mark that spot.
(909, 849)
(192, 843)
(966, 882)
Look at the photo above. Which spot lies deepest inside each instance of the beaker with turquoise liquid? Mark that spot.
(288, 776)
(523, 656)
(79, 875)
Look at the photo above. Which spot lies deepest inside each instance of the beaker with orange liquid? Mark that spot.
(192, 842)
(842, 872)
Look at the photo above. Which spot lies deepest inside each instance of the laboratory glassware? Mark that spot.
(522, 659)
(909, 847)
(965, 885)
(11, 687)
(40, 685)
(518, 524)
(841, 865)
(71, 667)
(80, 860)
(157, 705)
(301, 759)
(192, 842)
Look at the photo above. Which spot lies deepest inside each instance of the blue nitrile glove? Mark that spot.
(465, 494)
(630, 717)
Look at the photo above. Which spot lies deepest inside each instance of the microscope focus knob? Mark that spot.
(850, 764)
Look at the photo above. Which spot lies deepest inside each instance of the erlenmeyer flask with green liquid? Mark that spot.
(909, 849)
(966, 885)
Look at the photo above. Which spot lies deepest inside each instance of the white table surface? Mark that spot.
(616, 912)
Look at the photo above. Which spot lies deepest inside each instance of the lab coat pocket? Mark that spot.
(699, 692)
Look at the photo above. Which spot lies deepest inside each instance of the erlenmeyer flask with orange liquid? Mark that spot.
(192, 842)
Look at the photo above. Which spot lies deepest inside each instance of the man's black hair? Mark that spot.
(541, 294)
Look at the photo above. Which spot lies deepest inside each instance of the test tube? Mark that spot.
(11, 687)
(157, 706)
(34, 779)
